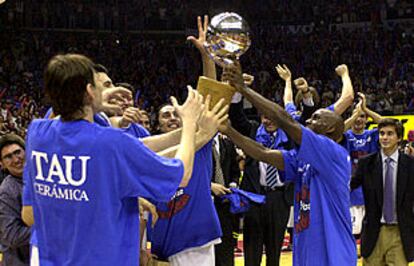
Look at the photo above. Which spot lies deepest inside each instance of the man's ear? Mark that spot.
(89, 95)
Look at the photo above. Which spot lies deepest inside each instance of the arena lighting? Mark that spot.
(2, 1)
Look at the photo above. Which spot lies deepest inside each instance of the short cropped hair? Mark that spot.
(66, 78)
(10, 139)
(399, 128)
(100, 69)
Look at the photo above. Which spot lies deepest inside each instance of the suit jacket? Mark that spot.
(369, 175)
(228, 162)
(251, 175)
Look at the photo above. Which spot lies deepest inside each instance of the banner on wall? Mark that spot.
(406, 120)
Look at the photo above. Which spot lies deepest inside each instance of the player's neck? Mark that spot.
(358, 131)
(88, 114)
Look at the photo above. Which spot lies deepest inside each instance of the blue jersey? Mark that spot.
(321, 171)
(359, 145)
(83, 181)
(292, 111)
(99, 118)
(136, 130)
(189, 219)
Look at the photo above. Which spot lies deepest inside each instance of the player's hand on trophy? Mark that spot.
(219, 190)
(202, 31)
(301, 84)
(342, 70)
(284, 72)
(130, 115)
(191, 109)
(234, 76)
(211, 119)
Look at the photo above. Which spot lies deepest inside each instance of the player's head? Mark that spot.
(71, 85)
(145, 120)
(361, 121)
(102, 76)
(326, 123)
(269, 125)
(390, 133)
(168, 119)
(12, 155)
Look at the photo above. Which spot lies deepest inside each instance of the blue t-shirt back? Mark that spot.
(83, 181)
(359, 145)
(189, 219)
(321, 171)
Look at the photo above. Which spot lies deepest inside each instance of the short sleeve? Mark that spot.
(144, 173)
(292, 110)
(289, 173)
(374, 133)
(318, 150)
(137, 131)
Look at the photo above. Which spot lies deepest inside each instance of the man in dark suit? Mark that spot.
(264, 225)
(387, 179)
(226, 175)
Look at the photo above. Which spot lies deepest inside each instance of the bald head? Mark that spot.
(326, 123)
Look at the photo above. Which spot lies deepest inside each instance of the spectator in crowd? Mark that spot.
(14, 234)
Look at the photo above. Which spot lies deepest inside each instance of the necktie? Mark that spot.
(388, 204)
(272, 175)
(218, 175)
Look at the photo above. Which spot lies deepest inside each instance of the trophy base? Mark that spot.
(216, 89)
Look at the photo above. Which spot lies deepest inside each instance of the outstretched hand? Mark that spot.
(191, 109)
(284, 72)
(210, 120)
(202, 31)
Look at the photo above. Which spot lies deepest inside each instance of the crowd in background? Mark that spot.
(380, 59)
(178, 14)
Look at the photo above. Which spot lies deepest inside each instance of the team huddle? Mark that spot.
(90, 168)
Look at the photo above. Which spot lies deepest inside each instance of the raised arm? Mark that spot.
(207, 126)
(253, 148)
(270, 109)
(164, 141)
(286, 75)
(189, 113)
(355, 114)
(375, 116)
(209, 68)
(347, 94)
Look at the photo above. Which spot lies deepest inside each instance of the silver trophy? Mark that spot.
(228, 37)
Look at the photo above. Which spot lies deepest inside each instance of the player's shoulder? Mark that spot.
(40, 124)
